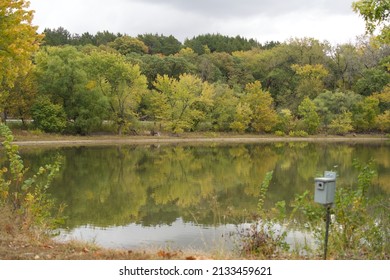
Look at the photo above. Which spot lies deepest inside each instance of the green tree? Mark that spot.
(121, 82)
(345, 66)
(84, 39)
(56, 37)
(219, 43)
(373, 80)
(231, 70)
(207, 70)
(273, 68)
(331, 104)
(172, 66)
(310, 119)
(47, 116)
(126, 45)
(63, 75)
(160, 44)
(376, 14)
(365, 113)
(105, 37)
(19, 40)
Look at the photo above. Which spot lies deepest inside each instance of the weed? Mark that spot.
(27, 197)
(360, 226)
(262, 239)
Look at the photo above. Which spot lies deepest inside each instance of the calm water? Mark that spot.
(189, 196)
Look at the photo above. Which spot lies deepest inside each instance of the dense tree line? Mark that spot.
(156, 43)
(210, 83)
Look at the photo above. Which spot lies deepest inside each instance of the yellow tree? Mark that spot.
(184, 102)
(310, 79)
(264, 116)
(19, 40)
(21, 97)
(242, 117)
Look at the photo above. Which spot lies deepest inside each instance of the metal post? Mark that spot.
(327, 230)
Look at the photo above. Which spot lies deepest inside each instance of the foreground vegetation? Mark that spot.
(359, 228)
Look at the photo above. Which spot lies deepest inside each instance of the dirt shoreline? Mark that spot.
(97, 141)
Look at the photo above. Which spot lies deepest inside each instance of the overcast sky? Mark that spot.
(263, 20)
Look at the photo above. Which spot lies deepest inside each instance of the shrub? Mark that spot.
(279, 133)
(359, 228)
(307, 110)
(298, 133)
(355, 232)
(342, 124)
(261, 239)
(47, 116)
(383, 121)
(27, 196)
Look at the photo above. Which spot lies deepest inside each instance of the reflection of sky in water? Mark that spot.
(179, 235)
(176, 235)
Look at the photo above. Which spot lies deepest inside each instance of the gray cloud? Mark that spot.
(239, 8)
(264, 20)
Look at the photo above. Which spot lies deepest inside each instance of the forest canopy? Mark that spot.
(84, 83)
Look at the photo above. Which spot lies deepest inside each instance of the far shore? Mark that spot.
(60, 140)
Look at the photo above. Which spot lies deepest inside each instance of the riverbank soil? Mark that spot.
(27, 138)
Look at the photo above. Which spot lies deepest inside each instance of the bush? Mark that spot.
(383, 121)
(261, 239)
(355, 232)
(308, 111)
(342, 124)
(279, 133)
(27, 197)
(47, 116)
(359, 228)
(298, 133)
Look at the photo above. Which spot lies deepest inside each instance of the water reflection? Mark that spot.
(123, 194)
(177, 235)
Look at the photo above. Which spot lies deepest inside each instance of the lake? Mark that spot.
(190, 196)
